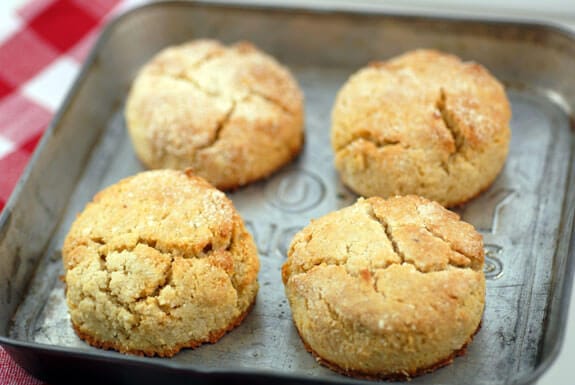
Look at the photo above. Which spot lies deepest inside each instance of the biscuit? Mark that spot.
(423, 123)
(158, 262)
(386, 289)
(231, 114)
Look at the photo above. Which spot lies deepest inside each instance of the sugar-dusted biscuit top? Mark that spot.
(233, 114)
(423, 123)
(386, 288)
(158, 262)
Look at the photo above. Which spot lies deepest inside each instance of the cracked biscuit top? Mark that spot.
(423, 123)
(158, 262)
(231, 114)
(386, 288)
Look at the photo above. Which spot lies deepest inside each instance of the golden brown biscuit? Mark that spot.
(423, 123)
(231, 114)
(386, 288)
(158, 262)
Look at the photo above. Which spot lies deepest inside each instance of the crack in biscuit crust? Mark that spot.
(386, 287)
(462, 248)
(158, 262)
(232, 114)
(423, 123)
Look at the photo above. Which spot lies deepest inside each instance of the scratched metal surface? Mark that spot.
(525, 217)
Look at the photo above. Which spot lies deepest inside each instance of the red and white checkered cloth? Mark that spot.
(42, 46)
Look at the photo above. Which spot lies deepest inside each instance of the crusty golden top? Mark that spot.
(424, 123)
(425, 100)
(216, 109)
(233, 72)
(375, 233)
(158, 262)
(166, 213)
(382, 261)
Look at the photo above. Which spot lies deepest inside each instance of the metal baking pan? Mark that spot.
(526, 217)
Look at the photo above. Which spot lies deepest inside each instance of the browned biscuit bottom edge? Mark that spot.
(213, 337)
(475, 196)
(231, 187)
(404, 376)
(234, 186)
